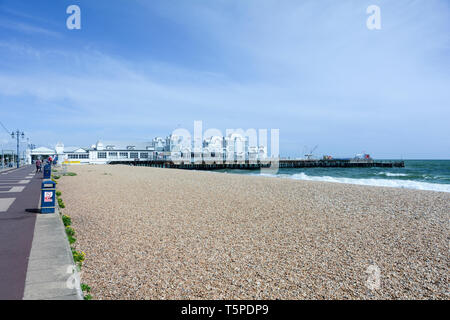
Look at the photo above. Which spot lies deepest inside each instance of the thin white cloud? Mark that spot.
(27, 28)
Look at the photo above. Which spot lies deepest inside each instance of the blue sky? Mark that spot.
(138, 69)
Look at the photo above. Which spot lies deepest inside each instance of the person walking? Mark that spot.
(38, 166)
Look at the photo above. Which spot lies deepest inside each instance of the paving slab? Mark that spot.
(51, 266)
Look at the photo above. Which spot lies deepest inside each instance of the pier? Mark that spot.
(255, 165)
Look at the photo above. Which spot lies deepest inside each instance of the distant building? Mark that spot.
(39, 153)
(100, 153)
(232, 148)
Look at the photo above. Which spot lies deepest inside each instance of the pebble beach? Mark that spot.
(154, 233)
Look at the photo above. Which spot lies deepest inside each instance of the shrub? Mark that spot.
(56, 177)
(85, 287)
(58, 193)
(70, 174)
(61, 203)
(67, 221)
(70, 231)
(87, 297)
(78, 257)
(71, 239)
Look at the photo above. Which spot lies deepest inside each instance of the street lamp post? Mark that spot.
(18, 135)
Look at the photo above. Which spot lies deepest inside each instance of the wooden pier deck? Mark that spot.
(247, 165)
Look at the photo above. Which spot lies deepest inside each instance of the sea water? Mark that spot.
(417, 174)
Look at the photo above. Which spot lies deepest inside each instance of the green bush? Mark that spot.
(78, 257)
(88, 297)
(61, 203)
(58, 193)
(85, 287)
(67, 221)
(71, 239)
(56, 177)
(70, 231)
(70, 174)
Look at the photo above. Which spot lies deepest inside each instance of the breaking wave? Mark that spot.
(390, 174)
(409, 184)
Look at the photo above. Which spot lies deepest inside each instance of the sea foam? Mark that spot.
(390, 174)
(409, 184)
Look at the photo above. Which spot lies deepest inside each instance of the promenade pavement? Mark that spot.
(34, 253)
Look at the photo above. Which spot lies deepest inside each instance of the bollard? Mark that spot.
(47, 171)
(48, 196)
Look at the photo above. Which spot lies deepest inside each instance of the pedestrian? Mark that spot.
(38, 166)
